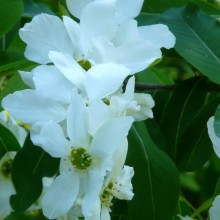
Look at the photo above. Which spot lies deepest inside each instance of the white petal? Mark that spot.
(61, 195)
(95, 212)
(110, 136)
(91, 198)
(104, 79)
(103, 51)
(215, 140)
(27, 78)
(105, 213)
(76, 6)
(66, 166)
(119, 160)
(6, 190)
(45, 33)
(127, 9)
(123, 184)
(185, 218)
(214, 211)
(129, 91)
(58, 88)
(145, 103)
(73, 29)
(11, 124)
(138, 55)
(126, 33)
(69, 68)
(99, 113)
(50, 137)
(30, 106)
(158, 34)
(77, 121)
(97, 19)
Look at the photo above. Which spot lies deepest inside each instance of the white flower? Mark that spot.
(214, 211)
(117, 185)
(215, 140)
(137, 105)
(53, 86)
(98, 38)
(98, 82)
(6, 185)
(84, 159)
(12, 125)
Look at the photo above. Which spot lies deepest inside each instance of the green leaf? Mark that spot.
(9, 58)
(12, 64)
(25, 216)
(194, 42)
(217, 121)
(156, 179)
(8, 141)
(186, 101)
(32, 8)
(30, 165)
(10, 13)
(195, 147)
(158, 6)
(14, 84)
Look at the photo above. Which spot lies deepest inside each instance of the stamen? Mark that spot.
(85, 64)
(6, 168)
(81, 159)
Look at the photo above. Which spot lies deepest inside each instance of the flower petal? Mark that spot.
(99, 113)
(215, 140)
(91, 202)
(103, 51)
(214, 211)
(27, 78)
(119, 160)
(50, 137)
(76, 6)
(11, 124)
(127, 9)
(137, 55)
(73, 29)
(77, 121)
(104, 79)
(44, 33)
(158, 34)
(6, 190)
(97, 19)
(110, 136)
(61, 195)
(129, 91)
(126, 32)
(58, 88)
(69, 68)
(30, 106)
(105, 213)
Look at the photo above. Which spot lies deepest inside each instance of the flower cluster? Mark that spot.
(76, 106)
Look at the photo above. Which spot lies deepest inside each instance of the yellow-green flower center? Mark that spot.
(106, 196)
(81, 159)
(6, 168)
(85, 64)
